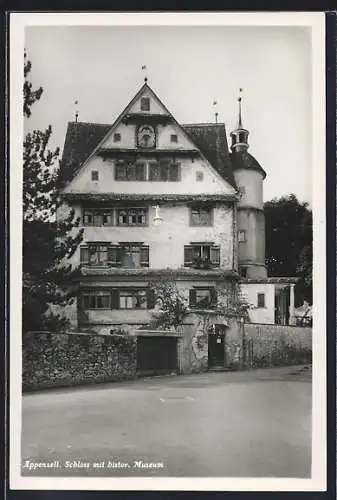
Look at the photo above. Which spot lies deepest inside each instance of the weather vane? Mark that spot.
(76, 112)
(215, 103)
(239, 101)
(144, 69)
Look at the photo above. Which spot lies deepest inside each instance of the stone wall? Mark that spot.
(276, 345)
(51, 360)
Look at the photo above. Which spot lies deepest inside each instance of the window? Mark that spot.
(130, 171)
(243, 272)
(131, 255)
(203, 297)
(164, 171)
(132, 299)
(174, 138)
(202, 256)
(242, 236)
(261, 300)
(94, 175)
(96, 299)
(117, 299)
(95, 254)
(132, 217)
(117, 137)
(201, 216)
(145, 104)
(98, 217)
(200, 176)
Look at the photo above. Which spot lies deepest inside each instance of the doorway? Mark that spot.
(156, 355)
(216, 347)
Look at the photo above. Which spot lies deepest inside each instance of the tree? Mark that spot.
(48, 241)
(289, 242)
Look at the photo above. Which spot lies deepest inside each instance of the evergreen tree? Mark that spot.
(48, 241)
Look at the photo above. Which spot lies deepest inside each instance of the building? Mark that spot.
(158, 198)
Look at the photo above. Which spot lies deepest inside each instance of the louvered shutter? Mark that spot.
(215, 255)
(140, 172)
(188, 255)
(175, 172)
(193, 297)
(84, 255)
(120, 171)
(164, 170)
(144, 256)
(150, 298)
(112, 256)
(214, 297)
(114, 299)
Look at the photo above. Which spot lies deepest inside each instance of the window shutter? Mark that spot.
(114, 299)
(112, 256)
(188, 255)
(119, 170)
(84, 255)
(150, 299)
(144, 256)
(164, 170)
(215, 255)
(140, 172)
(119, 256)
(214, 297)
(175, 172)
(193, 297)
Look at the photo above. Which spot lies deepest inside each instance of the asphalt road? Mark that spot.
(248, 424)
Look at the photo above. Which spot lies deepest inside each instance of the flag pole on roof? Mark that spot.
(144, 69)
(240, 114)
(215, 103)
(76, 112)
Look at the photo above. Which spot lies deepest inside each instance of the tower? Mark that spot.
(249, 177)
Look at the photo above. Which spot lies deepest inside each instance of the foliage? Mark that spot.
(231, 301)
(171, 305)
(47, 241)
(289, 242)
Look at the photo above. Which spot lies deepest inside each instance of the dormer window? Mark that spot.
(94, 175)
(145, 104)
(174, 138)
(117, 137)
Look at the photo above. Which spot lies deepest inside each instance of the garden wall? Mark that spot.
(51, 360)
(276, 345)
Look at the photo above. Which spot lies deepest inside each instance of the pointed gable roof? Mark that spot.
(83, 139)
(211, 139)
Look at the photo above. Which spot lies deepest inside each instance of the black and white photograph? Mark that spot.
(167, 251)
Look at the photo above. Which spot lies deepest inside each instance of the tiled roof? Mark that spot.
(211, 139)
(245, 160)
(82, 138)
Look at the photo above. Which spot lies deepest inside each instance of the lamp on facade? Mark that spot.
(157, 219)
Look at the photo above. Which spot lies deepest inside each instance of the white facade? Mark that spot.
(146, 165)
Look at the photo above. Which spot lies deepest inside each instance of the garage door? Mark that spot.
(156, 355)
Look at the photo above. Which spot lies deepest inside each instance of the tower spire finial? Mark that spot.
(239, 135)
(240, 112)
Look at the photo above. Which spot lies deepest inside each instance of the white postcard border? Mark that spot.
(18, 22)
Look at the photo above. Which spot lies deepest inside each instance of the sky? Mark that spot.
(188, 68)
